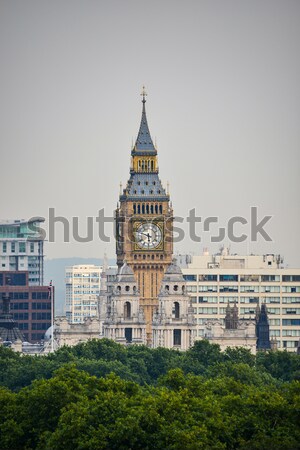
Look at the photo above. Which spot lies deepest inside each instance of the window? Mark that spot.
(291, 310)
(191, 288)
(40, 295)
(270, 278)
(291, 289)
(274, 333)
(229, 277)
(229, 288)
(288, 278)
(290, 332)
(190, 277)
(16, 279)
(249, 289)
(4, 247)
(273, 322)
(228, 299)
(249, 278)
(128, 334)
(290, 344)
(41, 316)
(208, 299)
(249, 310)
(13, 247)
(270, 288)
(23, 305)
(204, 288)
(41, 305)
(127, 310)
(177, 337)
(19, 296)
(272, 299)
(290, 322)
(20, 316)
(41, 326)
(22, 247)
(290, 299)
(208, 277)
(273, 310)
(207, 310)
(176, 310)
(31, 247)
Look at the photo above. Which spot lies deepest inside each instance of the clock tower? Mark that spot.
(144, 223)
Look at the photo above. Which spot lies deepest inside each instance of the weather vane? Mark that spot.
(144, 94)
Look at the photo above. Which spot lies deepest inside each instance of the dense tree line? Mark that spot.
(101, 395)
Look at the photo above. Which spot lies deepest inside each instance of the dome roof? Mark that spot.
(173, 269)
(126, 273)
(173, 273)
(48, 334)
(126, 270)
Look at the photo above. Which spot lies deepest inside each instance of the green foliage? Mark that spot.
(100, 395)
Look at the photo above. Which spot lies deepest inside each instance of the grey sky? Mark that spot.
(223, 101)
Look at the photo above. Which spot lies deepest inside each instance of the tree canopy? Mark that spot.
(101, 395)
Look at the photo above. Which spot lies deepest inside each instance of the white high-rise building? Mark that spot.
(82, 292)
(22, 248)
(215, 280)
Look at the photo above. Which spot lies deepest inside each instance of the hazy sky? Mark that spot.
(223, 101)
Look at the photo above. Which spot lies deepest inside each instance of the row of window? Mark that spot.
(41, 326)
(146, 208)
(242, 278)
(247, 310)
(25, 296)
(230, 299)
(94, 276)
(235, 288)
(12, 279)
(35, 316)
(17, 247)
(272, 322)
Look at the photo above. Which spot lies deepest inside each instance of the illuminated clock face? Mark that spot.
(148, 236)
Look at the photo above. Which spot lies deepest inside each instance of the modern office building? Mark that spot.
(30, 306)
(215, 280)
(82, 292)
(22, 248)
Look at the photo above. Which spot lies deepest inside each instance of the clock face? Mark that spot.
(148, 236)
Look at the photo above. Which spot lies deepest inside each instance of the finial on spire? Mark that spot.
(144, 94)
(120, 187)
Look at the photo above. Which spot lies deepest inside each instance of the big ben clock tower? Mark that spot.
(144, 222)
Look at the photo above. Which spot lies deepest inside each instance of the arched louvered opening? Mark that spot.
(127, 310)
(176, 310)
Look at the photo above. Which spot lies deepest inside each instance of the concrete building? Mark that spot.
(82, 292)
(215, 280)
(22, 248)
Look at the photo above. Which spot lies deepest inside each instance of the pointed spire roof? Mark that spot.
(144, 144)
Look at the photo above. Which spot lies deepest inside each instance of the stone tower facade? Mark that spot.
(124, 319)
(173, 322)
(144, 222)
